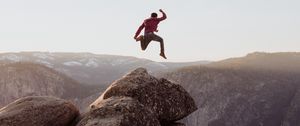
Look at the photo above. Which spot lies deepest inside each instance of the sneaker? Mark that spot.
(163, 55)
(140, 38)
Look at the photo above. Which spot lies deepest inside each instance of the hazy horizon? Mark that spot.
(194, 30)
(197, 60)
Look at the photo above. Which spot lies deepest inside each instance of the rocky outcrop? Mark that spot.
(119, 111)
(38, 111)
(137, 99)
(169, 101)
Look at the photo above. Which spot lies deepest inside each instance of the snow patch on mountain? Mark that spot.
(72, 63)
(43, 56)
(118, 62)
(92, 63)
(11, 57)
(44, 63)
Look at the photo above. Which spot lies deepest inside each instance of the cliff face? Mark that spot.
(240, 97)
(27, 79)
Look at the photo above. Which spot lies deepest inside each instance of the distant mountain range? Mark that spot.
(92, 69)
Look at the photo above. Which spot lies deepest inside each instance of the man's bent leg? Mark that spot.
(161, 41)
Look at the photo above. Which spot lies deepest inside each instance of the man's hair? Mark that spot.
(154, 15)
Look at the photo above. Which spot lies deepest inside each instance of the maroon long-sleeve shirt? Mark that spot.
(150, 24)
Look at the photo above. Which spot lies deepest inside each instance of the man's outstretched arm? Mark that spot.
(164, 15)
(139, 31)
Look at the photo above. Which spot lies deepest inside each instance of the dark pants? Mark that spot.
(148, 37)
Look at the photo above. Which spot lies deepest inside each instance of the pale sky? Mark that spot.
(194, 30)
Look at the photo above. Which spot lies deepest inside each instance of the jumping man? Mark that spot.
(150, 26)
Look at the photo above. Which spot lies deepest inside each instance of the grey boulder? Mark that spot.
(170, 102)
(119, 111)
(38, 111)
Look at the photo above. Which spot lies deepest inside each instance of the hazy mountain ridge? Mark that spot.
(227, 97)
(28, 79)
(260, 89)
(281, 61)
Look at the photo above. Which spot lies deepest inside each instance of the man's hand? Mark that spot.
(135, 37)
(164, 16)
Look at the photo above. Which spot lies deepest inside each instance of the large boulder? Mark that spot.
(38, 111)
(169, 101)
(119, 111)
